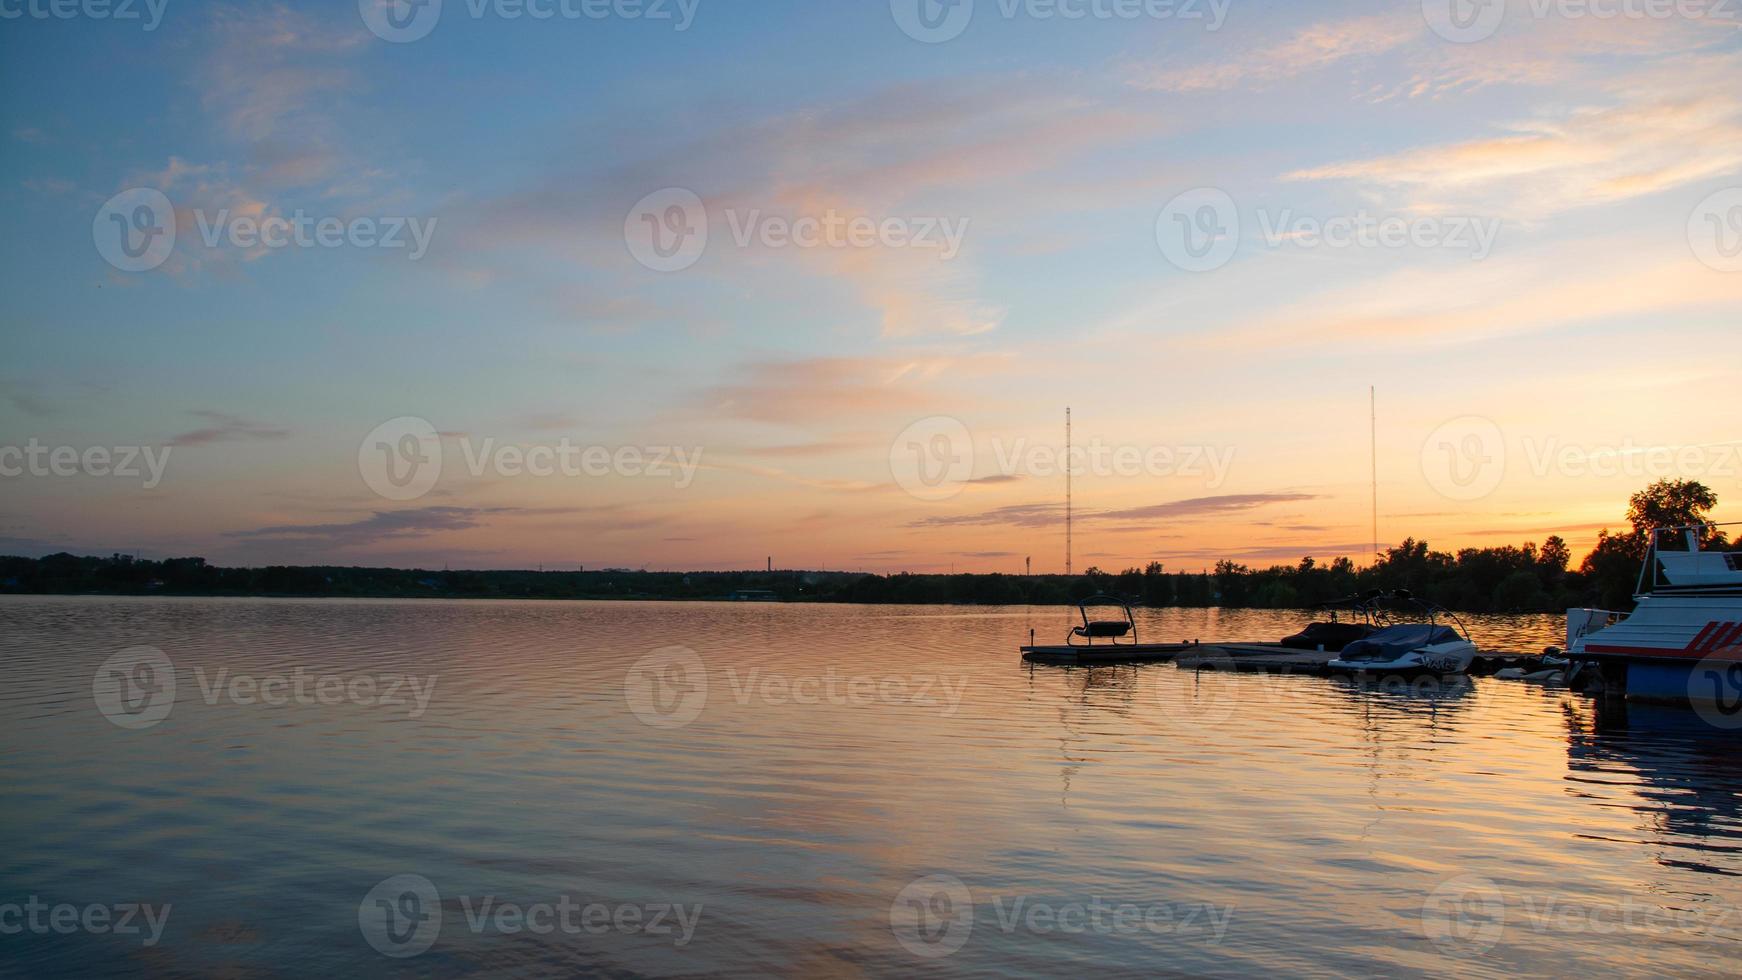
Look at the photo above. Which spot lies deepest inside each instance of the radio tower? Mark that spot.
(1373, 418)
(1067, 490)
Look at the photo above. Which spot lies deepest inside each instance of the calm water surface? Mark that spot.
(826, 790)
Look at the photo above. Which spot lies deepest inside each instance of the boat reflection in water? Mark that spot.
(1684, 774)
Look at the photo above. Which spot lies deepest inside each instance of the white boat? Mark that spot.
(1415, 648)
(1432, 647)
(1683, 640)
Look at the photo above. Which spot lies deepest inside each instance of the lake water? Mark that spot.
(338, 788)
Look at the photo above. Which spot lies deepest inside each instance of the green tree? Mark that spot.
(1669, 503)
(1612, 567)
(1520, 592)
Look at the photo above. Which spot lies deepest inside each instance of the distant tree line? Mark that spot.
(1500, 579)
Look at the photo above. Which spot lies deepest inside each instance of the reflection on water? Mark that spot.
(559, 789)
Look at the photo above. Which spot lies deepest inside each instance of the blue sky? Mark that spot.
(1591, 148)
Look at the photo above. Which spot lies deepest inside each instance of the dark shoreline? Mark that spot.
(1473, 586)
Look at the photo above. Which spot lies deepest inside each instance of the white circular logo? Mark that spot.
(400, 21)
(932, 21)
(668, 688)
(1198, 231)
(135, 230)
(135, 688)
(1465, 458)
(933, 459)
(401, 916)
(1715, 687)
(401, 459)
(933, 916)
(667, 231)
(1464, 21)
(1465, 916)
(1192, 700)
(1715, 230)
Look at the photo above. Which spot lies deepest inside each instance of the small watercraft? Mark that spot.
(1432, 647)
(1320, 637)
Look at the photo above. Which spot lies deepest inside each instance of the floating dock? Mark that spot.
(1106, 653)
(1268, 658)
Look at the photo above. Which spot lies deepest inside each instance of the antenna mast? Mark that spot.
(1067, 490)
(1373, 418)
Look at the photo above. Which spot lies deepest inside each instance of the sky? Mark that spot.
(703, 285)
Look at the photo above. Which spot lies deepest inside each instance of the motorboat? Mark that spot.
(1106, 639)
(1323, 636)
(1440, 645)
(1683, 639)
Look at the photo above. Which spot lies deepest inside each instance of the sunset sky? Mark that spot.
(1526, 382)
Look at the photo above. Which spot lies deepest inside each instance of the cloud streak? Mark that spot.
(228, 428)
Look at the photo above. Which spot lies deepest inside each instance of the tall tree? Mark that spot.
(1670, 503)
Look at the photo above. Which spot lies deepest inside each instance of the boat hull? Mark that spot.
(1440, 659)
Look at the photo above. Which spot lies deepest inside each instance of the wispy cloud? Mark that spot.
(956, 154)
(1531, 292)
(228, 428)
(1646, 137)
(28, 402)
(1048, 515)
(49, 186)
(844, 387)
(1012, 515)
(1199, 506)
(381, 525)
(271, 75)
(1311, 48)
